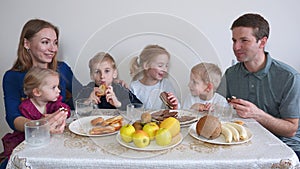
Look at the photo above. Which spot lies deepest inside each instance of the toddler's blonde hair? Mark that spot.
(208, 73)
(35, 78)
(146, 57)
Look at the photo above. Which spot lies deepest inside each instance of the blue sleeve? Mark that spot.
(13, 94)
(68, 83)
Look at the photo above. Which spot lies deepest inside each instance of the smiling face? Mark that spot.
(103, 73)
(42, 46)
(157, 68)
(245, 46)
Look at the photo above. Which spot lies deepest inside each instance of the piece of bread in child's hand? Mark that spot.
(164, 98)
(102, 89)
(63, 109)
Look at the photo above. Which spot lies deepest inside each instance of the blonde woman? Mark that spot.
(38, 47)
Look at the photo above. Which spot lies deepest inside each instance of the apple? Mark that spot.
(126, 132)
(140, 138)
(163, 137)
(150, 129)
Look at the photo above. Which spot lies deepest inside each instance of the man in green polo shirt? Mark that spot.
(265, 89)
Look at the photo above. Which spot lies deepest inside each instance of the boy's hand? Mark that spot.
(93, 96)
(201, 107)
(111, 97)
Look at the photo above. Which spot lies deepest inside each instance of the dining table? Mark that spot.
(71, 150)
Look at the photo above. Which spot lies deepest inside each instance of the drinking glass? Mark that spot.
(134, 111)
(84, 107)
(222, 110)
(37, 132)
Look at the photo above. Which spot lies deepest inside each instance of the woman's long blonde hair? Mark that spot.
(24, 60)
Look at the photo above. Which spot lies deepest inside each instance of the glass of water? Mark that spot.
(83, 107)
(37, 132)
(222, 110)
(134, 111)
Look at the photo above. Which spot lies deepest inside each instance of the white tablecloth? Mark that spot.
(69, 150)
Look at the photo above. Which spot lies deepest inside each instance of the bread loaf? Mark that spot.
(209, 127)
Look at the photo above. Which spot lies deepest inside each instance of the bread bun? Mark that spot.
(102, 88)
(209, 127)
(97, 121)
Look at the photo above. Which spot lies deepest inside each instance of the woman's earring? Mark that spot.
(27, 49)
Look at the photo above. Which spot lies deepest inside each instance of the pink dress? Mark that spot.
(28, 110)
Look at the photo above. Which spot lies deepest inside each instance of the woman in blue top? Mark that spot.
(38, 47)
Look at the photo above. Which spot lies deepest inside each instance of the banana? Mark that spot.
(242, 130)
(234, 131)
(227, 133)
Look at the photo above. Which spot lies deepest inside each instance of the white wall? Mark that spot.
(192, 31)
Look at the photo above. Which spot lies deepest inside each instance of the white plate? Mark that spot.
(152, 146)
(219, 140)
(83, 125)
(183, 113)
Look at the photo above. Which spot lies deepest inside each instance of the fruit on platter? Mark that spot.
(242, 130)
(150, 129)
(126, 132)
(138, 125)
(233, 131)
(146, 117)
(171, 124)
(227, 133)
(140, 138)
(163, 137)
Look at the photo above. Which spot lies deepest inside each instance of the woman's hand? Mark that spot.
(57, 121)
(111, 97)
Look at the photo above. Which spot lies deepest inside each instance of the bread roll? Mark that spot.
(209, 127)
(102, 88)
(97, 121)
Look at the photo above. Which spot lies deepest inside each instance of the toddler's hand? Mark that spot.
(111, 97)
(57, 121)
